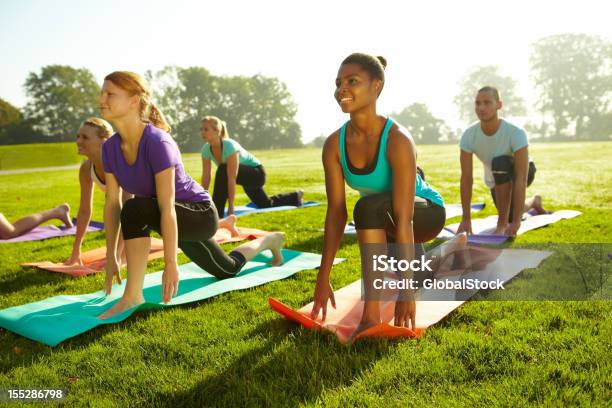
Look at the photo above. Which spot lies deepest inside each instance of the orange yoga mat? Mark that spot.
(95, 260)
(487, 263)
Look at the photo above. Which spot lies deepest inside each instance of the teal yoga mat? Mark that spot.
(56, 319)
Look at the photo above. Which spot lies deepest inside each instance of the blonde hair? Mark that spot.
(137, 85)
(103, 129)
(220, 125)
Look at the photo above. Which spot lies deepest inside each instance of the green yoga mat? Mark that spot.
(56, 319)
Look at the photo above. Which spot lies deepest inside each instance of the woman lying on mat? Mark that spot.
(90, 137)
(377, 157)
(21, 226)
(144, 159)
(235, 165)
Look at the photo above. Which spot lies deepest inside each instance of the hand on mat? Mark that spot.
(112, 271)
(405, 313)
(170, 282)
(75, 259)
(465, 226)
(323, 293)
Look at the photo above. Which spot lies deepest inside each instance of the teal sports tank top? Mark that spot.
(378, 177)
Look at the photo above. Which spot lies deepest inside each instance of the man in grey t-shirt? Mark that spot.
(503, 150)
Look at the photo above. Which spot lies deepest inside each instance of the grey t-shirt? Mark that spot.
(507, 140)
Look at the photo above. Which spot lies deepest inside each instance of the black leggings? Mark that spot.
(503, 172)
(376, 212)
(252, 179)
(196, 223)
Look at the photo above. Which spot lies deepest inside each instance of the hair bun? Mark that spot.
(382, 60)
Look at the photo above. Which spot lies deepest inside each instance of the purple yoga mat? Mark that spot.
(487, 239)
(478, 239)
(51, 231)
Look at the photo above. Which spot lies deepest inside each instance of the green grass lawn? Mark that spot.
(233, 350)
(38, 155)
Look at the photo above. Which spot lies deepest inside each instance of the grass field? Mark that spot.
(38, 155)
(233, 350)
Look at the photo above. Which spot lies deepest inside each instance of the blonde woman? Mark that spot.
(90, 136)
(235, 165)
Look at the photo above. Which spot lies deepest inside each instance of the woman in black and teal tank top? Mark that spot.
(235, 165)
(377, 157)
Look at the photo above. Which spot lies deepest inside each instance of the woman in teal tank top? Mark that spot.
(235, 165)
(378, 158)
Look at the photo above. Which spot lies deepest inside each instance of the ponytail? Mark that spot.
(224, 133)
(157, 118)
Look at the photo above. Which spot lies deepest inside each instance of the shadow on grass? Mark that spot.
(23, 352)
(293, 366)
(314, 244)
(28, 277)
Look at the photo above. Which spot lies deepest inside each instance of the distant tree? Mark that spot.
(166, 86)
(60, 98)
(268, 115)
(573, 74)
(14, 129)
(422, 125)
(318, 141)
(599, 126)
(259, 111)
(9, 114)
(478, 77)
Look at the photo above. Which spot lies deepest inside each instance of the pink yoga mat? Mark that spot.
(489, 263)
(95, 260)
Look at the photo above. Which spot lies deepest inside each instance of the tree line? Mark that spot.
(572, 74)
(259, 111)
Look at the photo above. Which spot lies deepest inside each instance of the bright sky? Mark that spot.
(428, 45)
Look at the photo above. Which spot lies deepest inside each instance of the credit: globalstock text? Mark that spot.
(437, 284)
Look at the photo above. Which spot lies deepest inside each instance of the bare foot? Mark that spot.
(274, 242)
(229, 223)
(457, 243)
(63, 213)
(363, 326)
(121, 306)
(500, 230)
(300, 197)
(537, 205)
(455, 247)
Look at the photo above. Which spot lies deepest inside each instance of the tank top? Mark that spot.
(379, 179)
(96, 180)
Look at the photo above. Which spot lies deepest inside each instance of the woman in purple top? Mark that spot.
(143, 159)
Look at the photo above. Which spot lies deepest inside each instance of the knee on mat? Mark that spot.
(503, 169)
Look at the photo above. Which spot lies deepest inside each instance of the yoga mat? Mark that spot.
(483, 228)
(455, 210)
(56, 319)
(452, 210)
(95, 260)
(251, 208)
(495, 263)
(51, 231)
